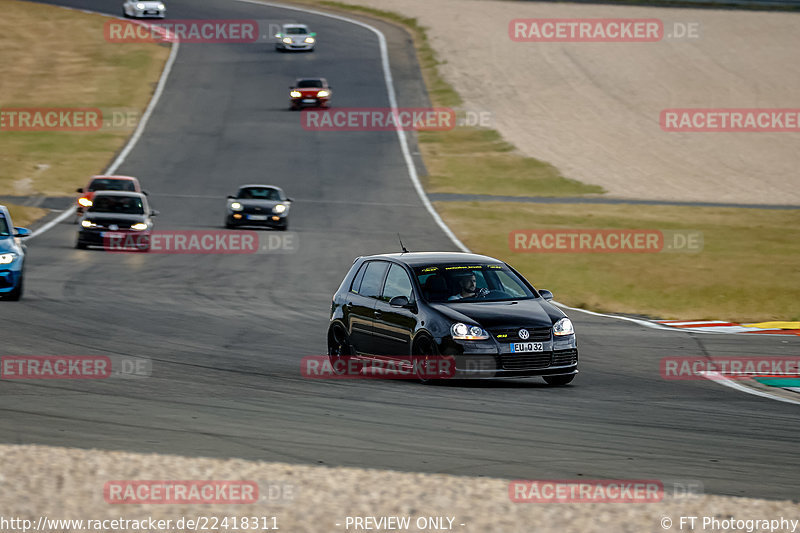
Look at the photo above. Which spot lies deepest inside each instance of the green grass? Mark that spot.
(52, 57)
(479, 161)
(22, 216)
(746, 271)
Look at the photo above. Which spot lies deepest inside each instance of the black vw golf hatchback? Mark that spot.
(473, 309)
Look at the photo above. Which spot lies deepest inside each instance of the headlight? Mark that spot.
(140, 6)
(139, 226)
(236, 206)
(7, 258)
(563, 327)
(309, 40)
(287, 40)
(295, 94)
(85, 202)
(88, 224)
(463, 332)
(161, 7)
(323, 94)
(280, 208)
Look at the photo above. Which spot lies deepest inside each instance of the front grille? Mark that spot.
(512, 334)
(565, 357)
(529, 361)
(256, 210)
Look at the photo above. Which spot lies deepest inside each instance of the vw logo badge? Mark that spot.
(523, 334)
(113, 227)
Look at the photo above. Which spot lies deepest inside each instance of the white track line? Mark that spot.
(719, 378)
(137, 132)
(401, 135)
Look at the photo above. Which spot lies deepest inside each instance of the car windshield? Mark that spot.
(127, 205)
(259, 193)
(296, 31)
(103, 184)
(471, 283)
(3, 226)
(309, 84)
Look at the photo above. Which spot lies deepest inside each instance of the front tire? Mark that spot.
(16, 294)
(424, 351)
(79, 245)
(558, 381)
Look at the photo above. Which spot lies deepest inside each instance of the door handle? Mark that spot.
(378, 314)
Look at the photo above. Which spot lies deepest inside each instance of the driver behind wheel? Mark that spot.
(468, 287)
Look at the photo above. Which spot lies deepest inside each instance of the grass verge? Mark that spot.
(746, 271)
(470, 160)
(23, 216)
(58, 58)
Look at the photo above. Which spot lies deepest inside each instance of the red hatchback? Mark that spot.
(310, 92)
(106, 183)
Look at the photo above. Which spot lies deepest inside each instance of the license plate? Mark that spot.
(309, 100)
(256, 217)
(111, 235)
(526, 347)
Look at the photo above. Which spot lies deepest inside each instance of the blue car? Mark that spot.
(12, 257)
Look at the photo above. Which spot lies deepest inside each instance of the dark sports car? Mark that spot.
(115, 217)
(258, 205)
(474, 309)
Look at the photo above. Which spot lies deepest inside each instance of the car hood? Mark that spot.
(150, 4)
(8, 244)
(260, 203)
(535, 312)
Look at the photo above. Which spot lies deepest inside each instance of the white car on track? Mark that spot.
(144, 9)
(295, 37)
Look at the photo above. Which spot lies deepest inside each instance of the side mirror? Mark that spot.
(277, 35)
(289, 199)
(399, 301)
(547, 295)
(231, 197)
(22, 232)
(154, 213)
(313, 34)
(146, 193)
(79, 189)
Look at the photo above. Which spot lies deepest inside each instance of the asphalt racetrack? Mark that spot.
(226, 333)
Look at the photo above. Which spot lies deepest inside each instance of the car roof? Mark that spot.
(114, 177)
(304, 79)
(295, 25)
(262, 186)
(413, 259)
(119, 193)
